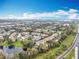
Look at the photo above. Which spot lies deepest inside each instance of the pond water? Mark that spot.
(12, 50)
(9, 51)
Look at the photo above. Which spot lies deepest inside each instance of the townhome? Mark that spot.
(13, 37)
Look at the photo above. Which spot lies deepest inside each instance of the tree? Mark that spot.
(64, 47)
(63, 36)
(50, 44)
(30, 31)
(9, 41)
(29, 43)
(23, 55)
(34, 51)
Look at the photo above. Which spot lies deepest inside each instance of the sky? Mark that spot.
(39, 9)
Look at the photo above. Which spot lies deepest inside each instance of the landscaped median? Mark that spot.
(54, 52)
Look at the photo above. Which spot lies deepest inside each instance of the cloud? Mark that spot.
(61, 12)
(73, 11)
(70, 14)
(73, 16)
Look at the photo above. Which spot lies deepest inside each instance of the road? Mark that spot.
(75, 43)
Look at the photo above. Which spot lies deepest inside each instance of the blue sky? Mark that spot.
(19, 7)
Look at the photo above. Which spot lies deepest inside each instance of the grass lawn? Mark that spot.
(16, 44)
(71, 55)
(5, 44)
(68, 41)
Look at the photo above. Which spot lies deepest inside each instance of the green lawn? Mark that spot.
(16, 44)
(5, 44)
(71, 55)
(68, 41)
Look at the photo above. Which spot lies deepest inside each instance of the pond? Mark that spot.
(12, 50)
(9, 51)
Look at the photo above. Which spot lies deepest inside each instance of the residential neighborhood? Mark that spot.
(22, 32)
(31, 38)
(39, 29)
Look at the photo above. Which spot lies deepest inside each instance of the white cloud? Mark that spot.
(73, 11)
(61, 12)
(70, 14)
(73, 16)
